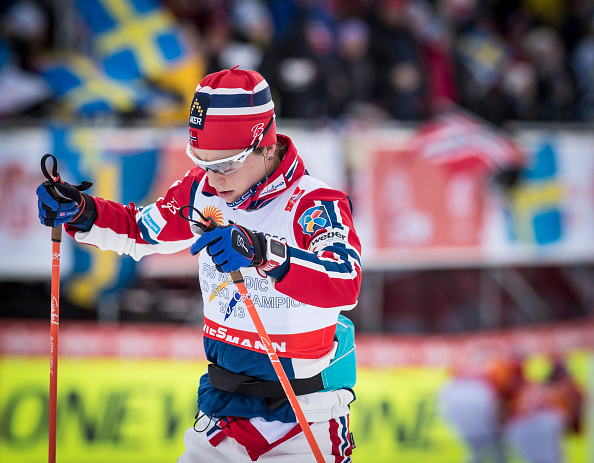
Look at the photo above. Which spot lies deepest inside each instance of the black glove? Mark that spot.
(60, 202)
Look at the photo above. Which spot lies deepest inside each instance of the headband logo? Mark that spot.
(257, 130)
(198, 111)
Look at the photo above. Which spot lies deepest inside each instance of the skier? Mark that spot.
(293, 238)
(542, 413)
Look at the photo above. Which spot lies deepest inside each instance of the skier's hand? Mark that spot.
(67, 205)
(232, 247)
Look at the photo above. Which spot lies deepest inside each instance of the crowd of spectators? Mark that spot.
(527, 60)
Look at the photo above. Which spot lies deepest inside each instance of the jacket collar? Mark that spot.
(288, 172)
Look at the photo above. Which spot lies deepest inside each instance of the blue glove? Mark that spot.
(232, 247)
(70, 205)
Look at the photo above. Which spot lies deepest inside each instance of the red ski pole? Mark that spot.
(54, 316)
(54, 325)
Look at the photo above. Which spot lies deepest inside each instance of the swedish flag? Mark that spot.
(536, 204)
(135, 39)
(123, 173)
(84, 90)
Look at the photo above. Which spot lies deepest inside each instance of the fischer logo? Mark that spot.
(297, 194)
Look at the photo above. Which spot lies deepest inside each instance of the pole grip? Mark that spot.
(57, 234)
(236, 276)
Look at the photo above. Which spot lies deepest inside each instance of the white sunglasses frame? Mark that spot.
(234, 162)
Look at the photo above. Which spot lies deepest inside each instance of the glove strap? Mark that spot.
(87, 209)
(83, 186)
(258, 241)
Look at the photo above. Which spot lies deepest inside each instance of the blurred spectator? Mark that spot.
(436, 40)
(352, 86)
(520, 87)
(24, 30)
(286, 12)
(298, 68)
(482, 58)
(210, 20)
(556, 94)
(476, 399)
(582, 62)
(254, 28)
(27, 26)
(401, 85)
(541, 413)
(394, 59)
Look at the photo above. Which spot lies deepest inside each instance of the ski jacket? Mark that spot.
(300, 312)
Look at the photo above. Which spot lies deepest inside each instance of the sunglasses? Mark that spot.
(232, 163)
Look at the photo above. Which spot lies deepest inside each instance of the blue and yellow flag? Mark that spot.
(125, 174)
(140, 39)
(536, 203)
(84, 90)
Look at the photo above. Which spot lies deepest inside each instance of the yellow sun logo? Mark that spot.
(215, 213)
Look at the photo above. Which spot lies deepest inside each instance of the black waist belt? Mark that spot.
(231, 382)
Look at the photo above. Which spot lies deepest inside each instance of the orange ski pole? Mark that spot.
(54, 325)
(54, 316)
(209, 224)
(278, 368)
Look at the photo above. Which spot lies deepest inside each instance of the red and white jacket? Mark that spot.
(300, 312)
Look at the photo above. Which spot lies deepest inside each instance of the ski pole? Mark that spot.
(54, 325)
(209, 224)
(54, 316)
(237, 278)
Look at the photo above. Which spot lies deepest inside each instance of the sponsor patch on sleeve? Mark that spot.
(152, 219)
(297, 194)
(314, 219)
(324, 239)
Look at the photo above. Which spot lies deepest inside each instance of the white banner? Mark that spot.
(419, 218)
(25, 244)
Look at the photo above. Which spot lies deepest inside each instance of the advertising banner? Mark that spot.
(127, 393)
(125, 165)
(25, 244)
(422, 198)
(108, 410)
(420, 207)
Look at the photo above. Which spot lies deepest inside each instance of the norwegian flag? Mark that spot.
(459, 139)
